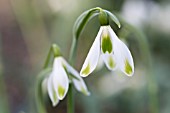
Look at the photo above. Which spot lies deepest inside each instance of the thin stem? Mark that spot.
(55, 51)
(47, 59)
(70, 98)
(72, 56)
(41, 77)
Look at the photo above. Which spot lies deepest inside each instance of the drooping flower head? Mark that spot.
(58, 80)
(113, 51)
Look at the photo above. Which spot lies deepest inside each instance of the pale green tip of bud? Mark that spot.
(56, 50)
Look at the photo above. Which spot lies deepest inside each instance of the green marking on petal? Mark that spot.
(84, 91)
(128, 67)
(61, 91)
(112, 63)
(86, 71)
(106, 43)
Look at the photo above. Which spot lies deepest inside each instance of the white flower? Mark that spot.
(113, 51)
(58, 80)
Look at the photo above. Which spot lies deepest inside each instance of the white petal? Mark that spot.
(123, 55)
(51, 91)
(110, 61)
(60, 79)
(100, 64)
(92, 57)
(79, 84)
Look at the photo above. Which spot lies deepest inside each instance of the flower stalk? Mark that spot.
(70, 96)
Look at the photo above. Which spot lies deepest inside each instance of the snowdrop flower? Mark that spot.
(113, 51)
(58, 80)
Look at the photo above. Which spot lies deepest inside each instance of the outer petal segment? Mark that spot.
(125, 59)
(122, 55)
(92, 57)
(60, 79)
(78, 81)
(51, 91)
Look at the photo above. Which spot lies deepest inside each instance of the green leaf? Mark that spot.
(82, 21)
(113, 18)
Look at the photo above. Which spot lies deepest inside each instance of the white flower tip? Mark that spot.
(85, 91)
(129, 68)
(85, 71)
(61, 92)
(54, 103)
(110, 61)
(54, 99)
(83, 75)
(52, 92)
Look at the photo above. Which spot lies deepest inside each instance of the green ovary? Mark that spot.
(128, 68)
(61, 91)
(86, 71)
(106, 43)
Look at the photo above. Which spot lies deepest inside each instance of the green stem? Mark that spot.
(70, 96)
(70, 100)
(72, 56)
(56, 52)
(47, 59)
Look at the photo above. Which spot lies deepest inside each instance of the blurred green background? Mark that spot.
(29, 27)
